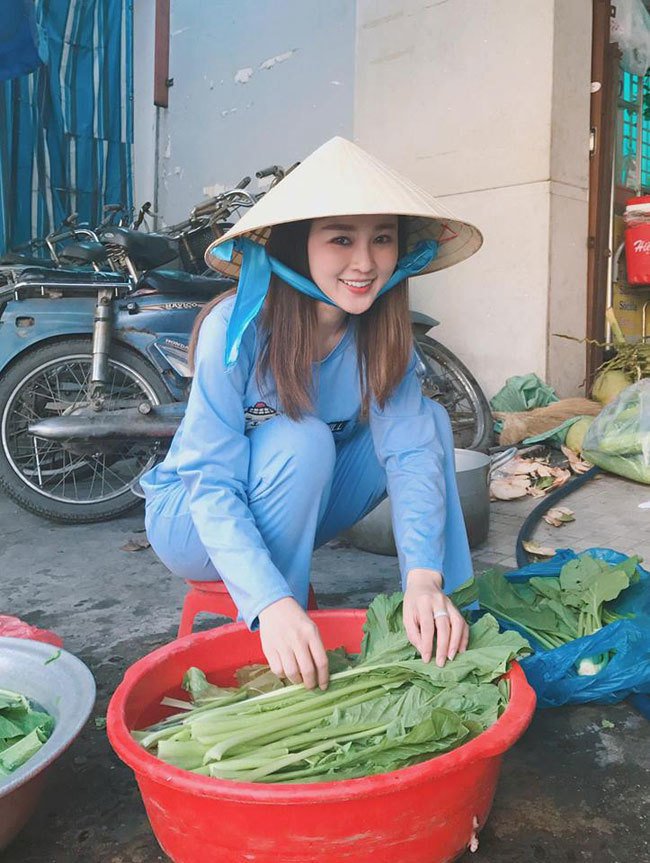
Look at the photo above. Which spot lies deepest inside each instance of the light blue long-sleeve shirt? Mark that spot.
(210, 453)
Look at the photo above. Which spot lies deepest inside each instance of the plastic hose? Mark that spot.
(547, 503)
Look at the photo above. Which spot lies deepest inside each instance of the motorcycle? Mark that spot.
(94, 378)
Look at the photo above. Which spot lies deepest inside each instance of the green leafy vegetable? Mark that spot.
(386, 709)
(23, 730)
(466, 594)
(53, 658)
(557, 610)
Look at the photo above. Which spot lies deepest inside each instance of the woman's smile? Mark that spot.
(358, 286)
(352, 258)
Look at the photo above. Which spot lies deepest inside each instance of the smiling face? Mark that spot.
(352, 257)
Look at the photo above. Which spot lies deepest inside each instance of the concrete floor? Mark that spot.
(573, 789)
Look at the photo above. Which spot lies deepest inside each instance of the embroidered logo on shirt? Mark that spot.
(257, 414)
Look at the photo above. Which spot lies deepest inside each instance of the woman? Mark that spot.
(306, 409)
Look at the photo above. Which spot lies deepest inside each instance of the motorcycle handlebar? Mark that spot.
(206, 207)
(73, 234)
(224, 202)
(273, 171)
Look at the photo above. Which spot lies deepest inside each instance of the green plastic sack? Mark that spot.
(554, 437)
(523, 393)
(618, 440)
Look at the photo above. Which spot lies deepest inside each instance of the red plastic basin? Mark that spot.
(421, 814)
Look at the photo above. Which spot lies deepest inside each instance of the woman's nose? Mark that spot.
(363, 259)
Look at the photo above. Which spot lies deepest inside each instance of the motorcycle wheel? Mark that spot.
(46, 477)
(457, 390)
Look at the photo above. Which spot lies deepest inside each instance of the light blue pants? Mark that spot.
(303, 491)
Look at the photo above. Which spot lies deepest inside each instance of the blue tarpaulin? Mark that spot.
(66, 129)
(18, 38)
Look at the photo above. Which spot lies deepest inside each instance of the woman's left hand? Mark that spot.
(429, 613)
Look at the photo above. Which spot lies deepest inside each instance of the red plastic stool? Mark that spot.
(213, 596)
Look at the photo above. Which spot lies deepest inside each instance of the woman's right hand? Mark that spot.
(292, 644)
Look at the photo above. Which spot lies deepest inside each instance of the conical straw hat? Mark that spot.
(341, 179)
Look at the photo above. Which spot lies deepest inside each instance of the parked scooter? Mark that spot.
(94, 377)
(104, 339)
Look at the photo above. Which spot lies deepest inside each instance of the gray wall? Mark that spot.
(255, 83)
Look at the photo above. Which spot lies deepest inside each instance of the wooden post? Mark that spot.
(161, 82)
(604, 71)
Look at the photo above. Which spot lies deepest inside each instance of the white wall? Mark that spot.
(254, 84)
(463, 97)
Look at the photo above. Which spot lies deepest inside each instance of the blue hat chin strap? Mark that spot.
(255, 276)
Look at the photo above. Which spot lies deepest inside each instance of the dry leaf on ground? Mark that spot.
(522, 476)
(576, 464)
(509, 488)
(136, 543)
(561, 476)
(517, 466)
(558, 516)
(538, 550)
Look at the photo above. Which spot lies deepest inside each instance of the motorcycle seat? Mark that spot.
(22, 260)
(87, 251)
(145, 250)
(178, 282)
(41, 275)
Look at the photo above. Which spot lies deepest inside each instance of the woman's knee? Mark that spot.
(301, 450)
(176, 543)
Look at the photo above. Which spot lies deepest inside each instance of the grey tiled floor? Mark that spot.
(607, 514)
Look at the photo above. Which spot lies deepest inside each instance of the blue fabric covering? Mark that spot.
(18, 39)
(66, 130)
(245, 494)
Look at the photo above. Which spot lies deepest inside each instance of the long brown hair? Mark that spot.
(289, 322)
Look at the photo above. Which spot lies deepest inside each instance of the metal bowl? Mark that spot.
(65, 688)
(375, 532)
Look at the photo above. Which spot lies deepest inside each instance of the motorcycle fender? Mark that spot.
(159, 327)
(26, 323)
(422, 323)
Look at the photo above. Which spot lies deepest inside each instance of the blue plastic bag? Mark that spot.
(552, 673)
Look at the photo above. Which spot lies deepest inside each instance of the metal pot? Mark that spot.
(375, 533)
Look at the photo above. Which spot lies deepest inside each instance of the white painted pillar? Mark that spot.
(486, 104)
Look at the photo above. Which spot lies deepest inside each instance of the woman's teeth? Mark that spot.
(358, 285)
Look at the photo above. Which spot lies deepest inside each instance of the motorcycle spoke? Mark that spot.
(74, 482)
(60, 476)
(45, 382)
(92, 483)
(81, 384)
(106, 469)
(42, 453)
(113, 382)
